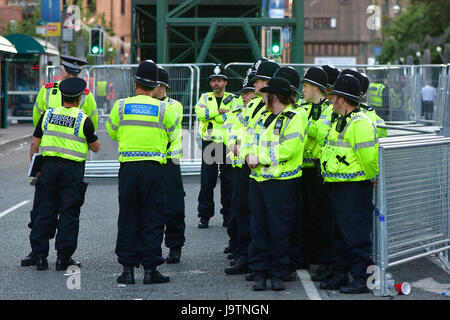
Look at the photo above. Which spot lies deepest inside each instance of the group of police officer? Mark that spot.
(147, 127)
(296, 174)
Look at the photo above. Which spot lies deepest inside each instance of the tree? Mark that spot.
(413, 29)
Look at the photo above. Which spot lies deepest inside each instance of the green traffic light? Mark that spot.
(95, 50)
(275, 49)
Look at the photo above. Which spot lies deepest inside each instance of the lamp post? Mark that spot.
(439, 51)
(419, 56)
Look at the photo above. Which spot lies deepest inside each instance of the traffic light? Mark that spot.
(275, 41)
(96, 42)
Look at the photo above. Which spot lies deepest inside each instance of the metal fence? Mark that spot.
(412, 213)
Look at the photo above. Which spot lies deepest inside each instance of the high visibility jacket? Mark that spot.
(376, 120)
(63, 134)
(175, 150)
(143, 126)
(211, 122)
(319, 119)
(49, 96)
(233, 127)
(351, 155)
(375, 94)
(278, 143)
(395, 99)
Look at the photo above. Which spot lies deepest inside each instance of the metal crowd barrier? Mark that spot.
(412, 213)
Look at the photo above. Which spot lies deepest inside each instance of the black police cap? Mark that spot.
(316, 76)
(347, 86)
(278, 85)
(163, 78)
(147, 74)
(218, 73)
(366, 83)
(72, 64)
(357, 75)
(72, 87)
(333, 73)
(248, 85)
(291, 75)
(266, 70)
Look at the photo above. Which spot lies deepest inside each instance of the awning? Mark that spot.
(6, 46)
(30, 45)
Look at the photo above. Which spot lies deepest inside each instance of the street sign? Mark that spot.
(41, 26)
(50, 10)
(67, 28)
(276, 9)
(54, 29)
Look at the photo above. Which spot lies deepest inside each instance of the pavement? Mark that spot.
(16, 135)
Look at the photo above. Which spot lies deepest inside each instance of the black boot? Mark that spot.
(63, 263)
(240, 267)
(41, 263)
(260, 281)
(358, 285)
(29, 260)
(153, 276)
(127, 276)
(250, 276)
(335, 282)
(277, 284)
(174, 255)
(203, 224)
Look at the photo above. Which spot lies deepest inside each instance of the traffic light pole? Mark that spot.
(298, 35)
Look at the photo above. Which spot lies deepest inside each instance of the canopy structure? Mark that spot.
(6, 46)
(30, 45)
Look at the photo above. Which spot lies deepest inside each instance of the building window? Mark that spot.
(122, 7)
(345, 2)
(322, 23)
(307, 23)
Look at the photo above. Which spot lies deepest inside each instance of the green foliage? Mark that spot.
(26, 26)
(409, 31)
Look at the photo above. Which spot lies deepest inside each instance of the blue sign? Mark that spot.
(377, 51)
(141, 109)
(276, 9)
(50, 11)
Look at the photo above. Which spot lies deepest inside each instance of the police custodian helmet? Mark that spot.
(163, 78)
(347, 86)
(218, 73)
(147, 74)
(291, 75)
(316, 76)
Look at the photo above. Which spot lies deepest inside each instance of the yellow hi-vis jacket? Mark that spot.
(278, 143)
(351, 155)
(376, 120)
(63, 134)
(232, 128)
(207, 111)
(49, 96)
(176, 148)
(143, 126)
(319, 120)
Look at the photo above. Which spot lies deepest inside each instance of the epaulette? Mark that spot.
(368, 108)
(328, 102)
(264, 112)
(86, 91)
(289, 114)
(171, 101)
(228, 99)
(50, 85)
(304, 103)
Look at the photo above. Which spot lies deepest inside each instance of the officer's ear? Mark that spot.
(79, 99)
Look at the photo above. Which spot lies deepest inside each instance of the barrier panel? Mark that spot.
(412, 214)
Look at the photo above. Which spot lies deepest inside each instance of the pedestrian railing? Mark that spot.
(412, 214)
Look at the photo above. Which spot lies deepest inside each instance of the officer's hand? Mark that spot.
(222, 111)
(375, 183)
(252, 161)
(38, 175)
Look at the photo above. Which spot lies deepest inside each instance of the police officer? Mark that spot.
(314, 196)
(211, 110)
(349, 164)
(275, 160)
(238, 224)
(143, 126)
(64, 135)
(49, 96)
(378, 95)
(175, 225)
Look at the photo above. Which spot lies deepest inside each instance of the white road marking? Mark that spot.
(4, 213)
(431, 285)
(309, 285)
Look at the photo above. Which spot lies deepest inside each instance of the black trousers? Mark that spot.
(296, 245)
(61, 195)
(243, 216)
(141, 214)
(175, 224)
(317, 220)
(213, 158)
(234, 211)
(34, 210)
(272, 207)
(351, 204)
